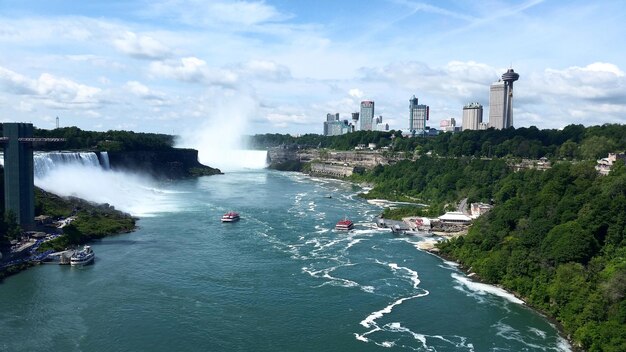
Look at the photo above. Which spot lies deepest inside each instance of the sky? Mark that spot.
(280, 66)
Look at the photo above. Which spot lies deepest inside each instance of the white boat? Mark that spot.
(231, 216)
(83, 257)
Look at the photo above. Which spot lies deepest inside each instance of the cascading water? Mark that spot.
(104, 160)
(43, 163)
(87, 176)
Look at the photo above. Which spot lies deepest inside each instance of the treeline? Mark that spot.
(93, 221)
(574, 142)
(343, 142)
(78, 139)
(557, 238)
(436, 181)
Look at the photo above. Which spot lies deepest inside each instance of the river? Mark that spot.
(281, 279)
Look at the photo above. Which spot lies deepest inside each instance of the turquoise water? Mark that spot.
(279, 280)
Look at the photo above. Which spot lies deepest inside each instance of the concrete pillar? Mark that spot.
(19, 195)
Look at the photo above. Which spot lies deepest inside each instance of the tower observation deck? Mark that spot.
(508, 78)
(19, 196)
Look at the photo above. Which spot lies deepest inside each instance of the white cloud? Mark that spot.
(596, 81)
(140, 46)
(217, 13)
(55, 92)
(263, 69)
(356, 93)
(193, 69)
(142, 91)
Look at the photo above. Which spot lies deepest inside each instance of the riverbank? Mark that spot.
(89, 222)
(430, 245)
(476, 278)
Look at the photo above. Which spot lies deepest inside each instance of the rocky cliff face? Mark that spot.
(174, 163)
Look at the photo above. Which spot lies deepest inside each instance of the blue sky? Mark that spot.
(279, 66)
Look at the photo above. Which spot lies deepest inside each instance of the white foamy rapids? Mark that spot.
(371, 319)
(130, 193)
(483, 289)
(412, 273)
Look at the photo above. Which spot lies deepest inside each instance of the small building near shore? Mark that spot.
(455, 217)
(478, 209)
(603, 166)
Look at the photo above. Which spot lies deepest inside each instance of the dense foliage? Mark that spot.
(558, 238)
(105, 141)
(574, 142)
(343, 142)
(92, 221)
(435, 181)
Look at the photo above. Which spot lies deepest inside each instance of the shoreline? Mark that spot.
(429, 245)
(475, 277)
(15, 269)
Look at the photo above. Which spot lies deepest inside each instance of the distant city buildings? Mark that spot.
(500, 114)
(379, 125)
(418, 115)
(367, 115)
(335, 127)
(355, 119)
(448, 125)
(472, 116)
(501, 101)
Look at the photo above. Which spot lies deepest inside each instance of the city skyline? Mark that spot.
(278, 66)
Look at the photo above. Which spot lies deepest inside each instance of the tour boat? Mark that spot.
(231, 216)
(344, 225)
(82, 257)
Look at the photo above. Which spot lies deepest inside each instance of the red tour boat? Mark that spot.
(231, 216)
(344, 225)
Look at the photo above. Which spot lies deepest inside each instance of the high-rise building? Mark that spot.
(472, 116)
(367, 115)
(355, 120)
(501, 101)
(418, 115)
(379, 125)
(334, 127)
(448, 125)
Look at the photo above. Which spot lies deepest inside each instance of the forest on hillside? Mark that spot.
(558, 239)
(574, 142)
(77, 139)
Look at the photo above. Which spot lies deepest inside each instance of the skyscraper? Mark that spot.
(472, 116)
(367, 115)
(501, 101)
(355, 119)
(335, 127)
(418, 115)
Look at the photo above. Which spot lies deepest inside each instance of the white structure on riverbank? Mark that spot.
(604, 165)
(455, 217)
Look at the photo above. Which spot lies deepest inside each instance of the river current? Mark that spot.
(281, 279)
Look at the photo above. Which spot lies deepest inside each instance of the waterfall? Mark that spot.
(104, 160)
(45, 162)
(232, 160)
(88, 176)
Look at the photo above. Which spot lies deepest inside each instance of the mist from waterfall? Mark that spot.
(218, 137)
(81, 175)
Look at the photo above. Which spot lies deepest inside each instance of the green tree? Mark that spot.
(568, 242)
